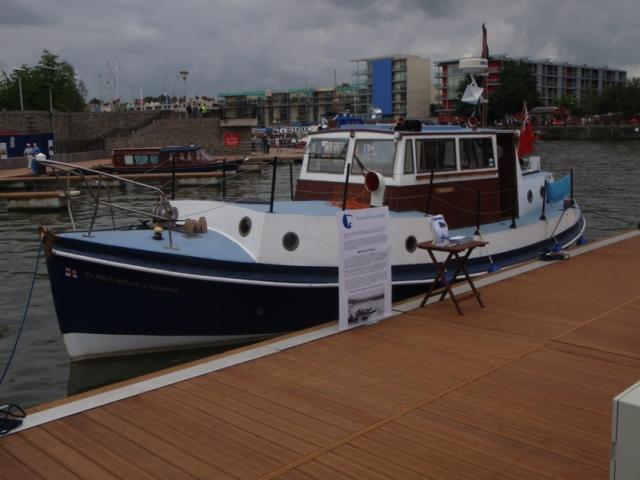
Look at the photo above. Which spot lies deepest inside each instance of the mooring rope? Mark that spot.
(24, 315)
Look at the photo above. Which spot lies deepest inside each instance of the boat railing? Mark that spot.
(96, 183)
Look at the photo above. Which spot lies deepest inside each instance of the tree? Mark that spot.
(620, 98)
(50, 79)
(517, 85)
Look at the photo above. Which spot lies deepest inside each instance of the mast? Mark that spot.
(485, 101)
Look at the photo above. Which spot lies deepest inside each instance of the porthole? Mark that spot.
(542, 192)
(530, 196)
(290, 241)
(411, 244)
(244, 227)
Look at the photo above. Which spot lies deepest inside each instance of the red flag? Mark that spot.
(525, 145)
(485, 45)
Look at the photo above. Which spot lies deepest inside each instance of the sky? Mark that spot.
(231, 45)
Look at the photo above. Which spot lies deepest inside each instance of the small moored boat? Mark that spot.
(181, 159)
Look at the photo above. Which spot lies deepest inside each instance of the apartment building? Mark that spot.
(553, 80)
(272, 107)
(399, 85)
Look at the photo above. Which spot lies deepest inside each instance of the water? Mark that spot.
(605, 186)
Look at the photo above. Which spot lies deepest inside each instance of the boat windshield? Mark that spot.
(376, 155)
(439, 154)
(476, 153)
(327, 155)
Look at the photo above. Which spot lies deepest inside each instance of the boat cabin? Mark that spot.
(152, 156)
(468, 175)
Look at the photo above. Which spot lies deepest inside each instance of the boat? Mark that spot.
(362, 314)
(214, 271)
(181, 159)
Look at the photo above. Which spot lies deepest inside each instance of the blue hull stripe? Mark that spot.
(103, 298)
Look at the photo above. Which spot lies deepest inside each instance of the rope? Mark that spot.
(24, 316)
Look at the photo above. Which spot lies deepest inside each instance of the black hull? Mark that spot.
(116, 292)
(109, 300)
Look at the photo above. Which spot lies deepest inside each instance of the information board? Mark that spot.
(364, 270)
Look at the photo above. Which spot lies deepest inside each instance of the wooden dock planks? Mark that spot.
(521, 389)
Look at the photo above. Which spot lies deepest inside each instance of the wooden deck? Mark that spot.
(521, 389)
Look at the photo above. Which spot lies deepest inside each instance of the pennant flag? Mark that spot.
(485, 45)
(525, 145)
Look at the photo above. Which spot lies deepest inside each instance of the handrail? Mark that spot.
(71, 168)
(161, 210)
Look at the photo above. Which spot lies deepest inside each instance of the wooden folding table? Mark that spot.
(457, 256)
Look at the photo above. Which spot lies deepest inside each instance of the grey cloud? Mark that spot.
(16, 13)
(252, 44)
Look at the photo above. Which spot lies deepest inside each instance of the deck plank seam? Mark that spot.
(236, 443)
(21, 463)
(239, 412)
(169, 441)
(599, 350)
(242, 428)
(49, 428)
(61, 458)
(433, 398)
(521, 439)
(152, 451)
(140, 445)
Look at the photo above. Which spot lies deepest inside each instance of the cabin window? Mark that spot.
(376, 155)
(327, 155)
(155, 159)
(476, 153)
(128, 159)
(437, 154)
(408, 157)
(141, 159)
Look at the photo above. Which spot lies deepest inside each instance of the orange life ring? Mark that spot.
(472, 122)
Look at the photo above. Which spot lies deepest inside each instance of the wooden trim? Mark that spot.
(458, 173)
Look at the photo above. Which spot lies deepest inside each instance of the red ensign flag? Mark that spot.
(525, 145)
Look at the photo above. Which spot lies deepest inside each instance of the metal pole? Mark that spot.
(173, 177)
(291, 178)
(20, 90)
(273, 184)
(544, 201)
(572, 187)
(433, 167)
(477, 232)
(346, 188)
(224, 178)
(50, 100)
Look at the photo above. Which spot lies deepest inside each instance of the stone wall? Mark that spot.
(74, 126)
(88, 135)
(205, 132)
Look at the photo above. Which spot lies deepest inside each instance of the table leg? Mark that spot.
(440, 273)
(447, 283)
(473, 287)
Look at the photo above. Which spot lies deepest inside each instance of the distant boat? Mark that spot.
(188, 158)
(362, 314)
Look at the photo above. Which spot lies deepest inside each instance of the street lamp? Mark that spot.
(50, 84)
(18, 70)
(184, 74)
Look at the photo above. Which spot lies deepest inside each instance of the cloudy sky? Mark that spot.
(277, 44)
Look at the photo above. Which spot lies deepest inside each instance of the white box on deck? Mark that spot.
(625, 435)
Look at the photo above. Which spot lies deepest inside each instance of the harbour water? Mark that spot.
(605, 186)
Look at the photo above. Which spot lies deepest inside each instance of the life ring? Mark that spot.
(472, 122)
